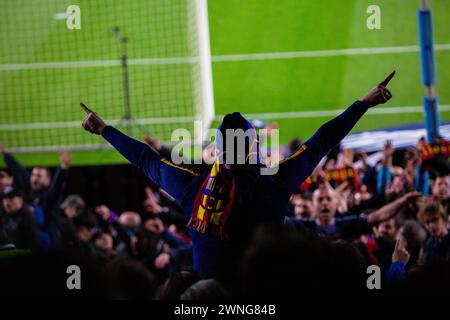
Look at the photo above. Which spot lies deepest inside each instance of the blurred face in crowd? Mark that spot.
(40, 179)
(362, 195)
(130, 219)
(85, 234)
(440, 188)
(435, 225)
(324, 204)
(412, 163)
(400, 184)
(105, 242)
(12, 205)
(330, 165)
(5, 180)
(302, 207)
(70, 212)
(388, 229)
(154, 225)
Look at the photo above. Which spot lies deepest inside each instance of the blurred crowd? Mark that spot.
(350, 213)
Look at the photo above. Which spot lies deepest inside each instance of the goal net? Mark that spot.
(48, 65)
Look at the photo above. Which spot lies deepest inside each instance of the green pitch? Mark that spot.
(257, 85)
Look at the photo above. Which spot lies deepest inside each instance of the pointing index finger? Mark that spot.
(85, 108)
(385, 82)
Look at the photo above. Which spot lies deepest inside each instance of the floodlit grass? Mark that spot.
(30, 34)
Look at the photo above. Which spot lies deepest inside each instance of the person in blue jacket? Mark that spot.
(43, 191)
(224, 206)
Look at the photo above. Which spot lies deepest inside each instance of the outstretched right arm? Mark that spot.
(295, 169)
(168, 176)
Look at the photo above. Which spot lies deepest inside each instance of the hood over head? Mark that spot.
(237, 141)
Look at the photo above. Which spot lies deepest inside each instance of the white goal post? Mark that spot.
(168, 64)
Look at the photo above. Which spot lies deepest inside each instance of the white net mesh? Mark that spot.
(47, 69)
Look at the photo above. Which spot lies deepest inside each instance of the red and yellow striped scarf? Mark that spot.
(214, 202)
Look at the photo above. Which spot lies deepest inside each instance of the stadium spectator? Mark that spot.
(5, 243)
(362, 195)
(72, 206)
(302, 204)
(441, 191)
(6, 179)
(385, 169)
(160, 204)
(169, 252)
(293, 145)
(85, 224)
(205, 290)
(18, 221)
(437, 247)
(400, 257)
(337, 226)
(349, 227)
(260, 198)
(121, 231)
(388, 229)
(384, 237)
(157, 237)
(416, 173)
(104, 242)
(282, 263)
(41, 189)
(414, 235)
(129, 279)
(176, 284)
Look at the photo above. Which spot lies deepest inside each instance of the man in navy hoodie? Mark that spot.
(224, 206)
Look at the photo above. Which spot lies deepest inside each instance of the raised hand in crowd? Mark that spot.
(400, 253)
(154, 225)
(388, 152)
(103, 212)
(347, 158)
(162, 260)
(151, 202)
(65, 159)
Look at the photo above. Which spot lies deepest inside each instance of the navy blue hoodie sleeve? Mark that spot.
(21, 175)
(295, 169)
(54, 195)
(161, 171)
(58, 183)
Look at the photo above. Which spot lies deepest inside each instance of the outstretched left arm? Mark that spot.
(170, 177)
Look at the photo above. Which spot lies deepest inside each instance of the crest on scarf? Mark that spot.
(213, 203)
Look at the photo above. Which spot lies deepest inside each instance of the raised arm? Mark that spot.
(168, 176)
(57, 187)
(21, 175)
(391, 209)
(295, 169)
